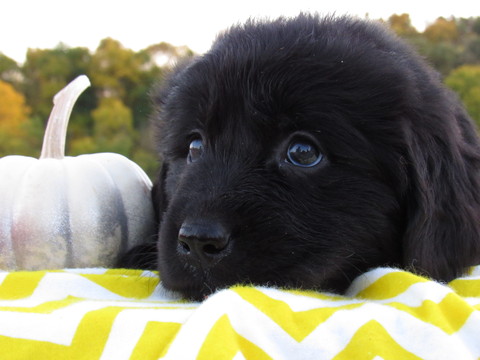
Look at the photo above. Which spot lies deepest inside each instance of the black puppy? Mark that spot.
(302, 152)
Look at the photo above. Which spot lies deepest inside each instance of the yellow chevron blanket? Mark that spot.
(123, 314)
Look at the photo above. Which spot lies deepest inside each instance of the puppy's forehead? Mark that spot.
(260, 80)
(223, 102)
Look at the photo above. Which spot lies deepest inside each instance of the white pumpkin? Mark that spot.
(58, 211)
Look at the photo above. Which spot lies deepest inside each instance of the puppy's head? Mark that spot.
(302, 152)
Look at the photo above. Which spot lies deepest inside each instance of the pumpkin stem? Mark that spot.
(56, 132)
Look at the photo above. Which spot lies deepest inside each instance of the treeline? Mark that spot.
(452, 46)
(114, 114)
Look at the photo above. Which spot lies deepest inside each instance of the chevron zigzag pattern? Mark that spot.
(125, 314)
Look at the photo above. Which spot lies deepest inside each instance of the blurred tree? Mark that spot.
(165, 55)
(448, 44)
(147, 160)
(466, 82)
(444, 57)
(121, 73)
(13, 117)
(13, 111)
(81, 145)
(472, 51)
(469, 36)
(45, 72)
(476, 25)
(113, 127)
(402, 25)
(111, 116)
(6, 65)
(442, 30)
(146, 155)
(114, 70)
(10, 71)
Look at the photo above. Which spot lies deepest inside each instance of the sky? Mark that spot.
(137, 24)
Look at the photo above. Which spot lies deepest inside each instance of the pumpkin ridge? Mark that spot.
(33, 243)
(121, 208)
(8, 259)
(96, 211)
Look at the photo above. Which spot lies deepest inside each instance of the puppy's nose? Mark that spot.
(204, 241)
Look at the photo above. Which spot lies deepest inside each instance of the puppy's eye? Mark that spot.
(303, 154)
(195, 150)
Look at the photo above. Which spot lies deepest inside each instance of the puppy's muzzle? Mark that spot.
(203, 242)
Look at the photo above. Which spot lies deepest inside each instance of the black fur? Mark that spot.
(398, 183)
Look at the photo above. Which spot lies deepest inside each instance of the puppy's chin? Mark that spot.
(195, 282)
(180, 275)
(191, 290)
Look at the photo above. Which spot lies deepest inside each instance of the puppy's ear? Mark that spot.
(159, 196)
(144, 256)
(442, 236)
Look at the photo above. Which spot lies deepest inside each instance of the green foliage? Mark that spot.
(81, 145)
(466, 82)
(112, 116)
(147, 160)
(16, 129)
(6, 64)
(114, 70)
(442, 56)
(45, 72)
(442, 30)
(452, 46)
(9, 70)
(113, 127)
(402, 25)
(446, 43)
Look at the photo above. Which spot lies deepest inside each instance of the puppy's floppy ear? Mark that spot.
(144, 256)
(159, 196)
(442, 235)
